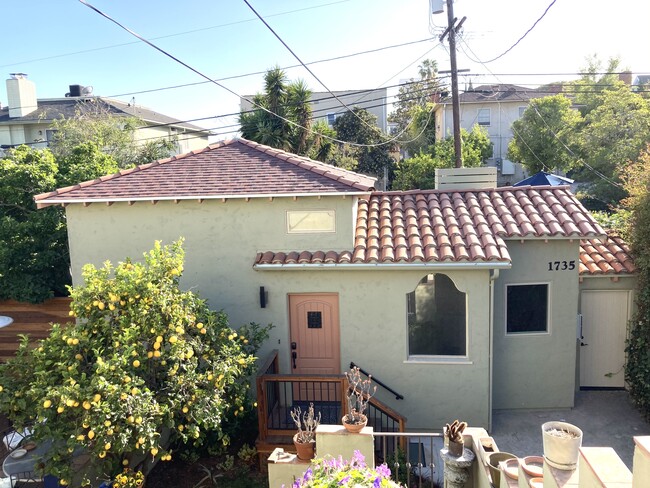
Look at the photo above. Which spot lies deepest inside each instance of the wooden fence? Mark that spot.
(31, 319)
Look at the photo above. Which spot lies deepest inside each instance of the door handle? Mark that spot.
(582, 344)
(294, 356)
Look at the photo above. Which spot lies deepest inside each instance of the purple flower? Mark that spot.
(383, 470)
(377, 482)
(308, 474)
(344, 480)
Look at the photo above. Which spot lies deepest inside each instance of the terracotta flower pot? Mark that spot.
(354, 428)
(305, 450)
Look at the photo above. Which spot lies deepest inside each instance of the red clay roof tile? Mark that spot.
(465, 226)
(609, 257)
(235, 168)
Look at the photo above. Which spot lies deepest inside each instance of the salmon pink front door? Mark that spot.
(314, 323)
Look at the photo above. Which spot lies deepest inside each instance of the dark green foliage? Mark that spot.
(360, 127)
(34, 259)
(637, 367)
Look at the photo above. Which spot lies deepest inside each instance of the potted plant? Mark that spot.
(453, 434)
(359, 393)
(332, 471)
(562, 442)
(305, 438)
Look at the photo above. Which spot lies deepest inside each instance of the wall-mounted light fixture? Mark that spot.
(264, 297)
(5, 321)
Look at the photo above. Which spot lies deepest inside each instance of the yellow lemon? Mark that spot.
(69, 341)
(156, 345)
(159, 339)
(127, 379)
(241, 361)
(60, 410)
(109, 432)
(85, 425)
(75, 341)
(156, 354)
(163, 362)
(241, 409)
(71, 313)
(130, 419)
(101, 305)
(69, 402)
(86, 405)
(179, 330)
(136, 363)
(150, 354)
(47, 404)
(63, 482)
(185, 410)
(75, 404)
(102, 455)
(210, 377)
(81, 437)
(199, 325)
(125, 462)
(173, 339)
(122, 303)
(107, 446)
(78, 357)
(154, 451)
(111, 307)
(91, 434)
(97, 397)
(181, 427)
(203, 331)
(138, 420)
(107, 423)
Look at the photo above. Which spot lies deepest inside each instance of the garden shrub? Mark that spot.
(145, 366)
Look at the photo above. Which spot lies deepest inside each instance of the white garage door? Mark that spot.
(604, 323)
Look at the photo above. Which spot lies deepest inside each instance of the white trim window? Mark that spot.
(527, 308)
(437, 319)
(483, 116)
(522, 109)
(311, 221)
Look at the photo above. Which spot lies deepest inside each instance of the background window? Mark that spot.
(483, 116)
(521, 111)
(526, 308)
(437, 318)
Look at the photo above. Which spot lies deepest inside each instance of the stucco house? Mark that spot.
(495, 108)
(462, 300)
(27, 119)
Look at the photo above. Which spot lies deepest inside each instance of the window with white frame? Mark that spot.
(527, 308)
(331, 118)
(437, 318)
(521, 111)
(310, 221)
(483, 117)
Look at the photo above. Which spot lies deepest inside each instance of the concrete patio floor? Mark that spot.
(607, 419)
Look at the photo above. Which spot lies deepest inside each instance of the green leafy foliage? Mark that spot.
(360, 127)
(34, 259)
(114, 134)
(144, 366)
(540, 135)
(637, 367)
(419, 171)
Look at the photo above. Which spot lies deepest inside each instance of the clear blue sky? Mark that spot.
(226, 40)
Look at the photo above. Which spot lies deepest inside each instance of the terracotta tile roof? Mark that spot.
(231, 169)
(452, 226)
(609, 257)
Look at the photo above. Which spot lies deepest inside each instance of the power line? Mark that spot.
(55, 56)
(254, 73)
(370, 126)
(555, 136)
(521, 38)
(194, 70)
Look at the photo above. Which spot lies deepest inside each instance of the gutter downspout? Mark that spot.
(493, 277)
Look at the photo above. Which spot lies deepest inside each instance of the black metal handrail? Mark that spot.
(383, 385)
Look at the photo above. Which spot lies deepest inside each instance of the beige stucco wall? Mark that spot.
(221, 242)
(538, 370)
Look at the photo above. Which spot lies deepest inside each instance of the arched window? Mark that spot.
(437, 318)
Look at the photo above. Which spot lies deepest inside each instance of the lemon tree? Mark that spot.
(145, 364)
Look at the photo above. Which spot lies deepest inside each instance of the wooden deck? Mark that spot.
(32, 319)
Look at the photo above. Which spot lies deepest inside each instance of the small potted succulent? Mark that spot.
(454, 437)
(305, 438)
(359, 393)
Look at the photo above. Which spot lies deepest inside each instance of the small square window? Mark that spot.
(331, 118)
(314, 320)
(526, 308)
(521, 111)
(483, 116)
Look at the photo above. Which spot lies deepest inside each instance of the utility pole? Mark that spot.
(451, 29)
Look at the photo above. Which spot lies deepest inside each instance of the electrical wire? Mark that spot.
(196, 71)
(521, 38)
(555, 136)
(55, 56)
(370, 126)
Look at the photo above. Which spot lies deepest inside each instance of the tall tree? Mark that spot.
(414, 107)
(360, 127)
(543, 133)
(34, 259)
(113, 134)
(418, 172)
(287, 121)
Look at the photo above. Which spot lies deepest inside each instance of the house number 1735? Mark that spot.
(561, 265)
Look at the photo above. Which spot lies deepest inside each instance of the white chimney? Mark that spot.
(21, 94)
